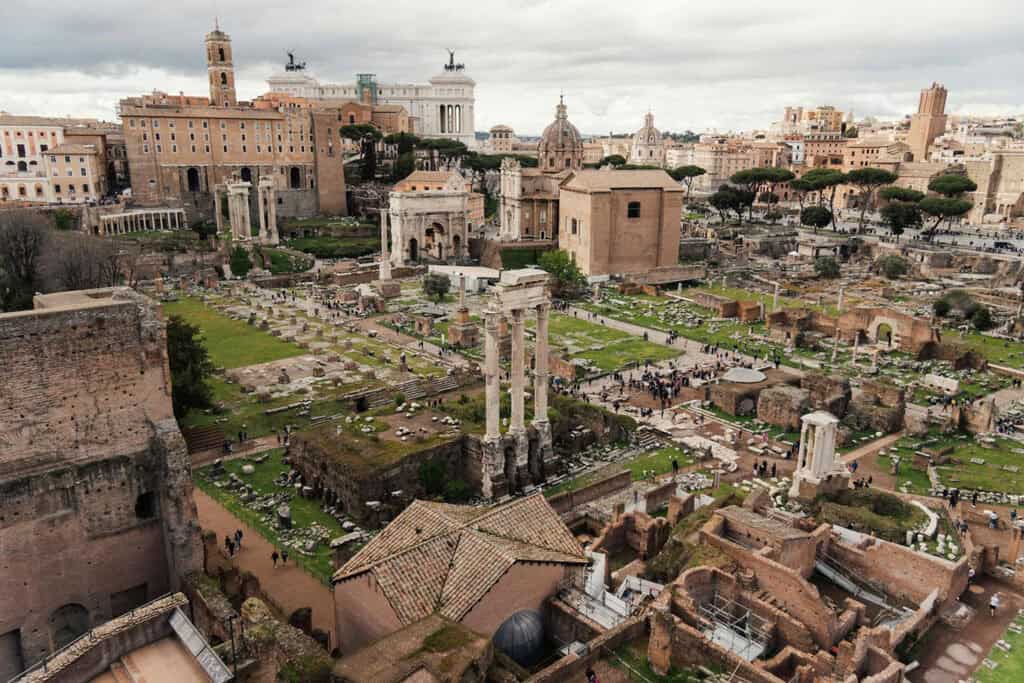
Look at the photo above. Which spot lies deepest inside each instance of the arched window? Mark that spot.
(192, 179)
(223, 78)
(67, 623)
(22, 166)
(351, 118)
(220, 53)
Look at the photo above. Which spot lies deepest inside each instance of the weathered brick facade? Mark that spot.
(96, 510)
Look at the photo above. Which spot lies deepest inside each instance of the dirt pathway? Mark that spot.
(289, 586)
(871, 448)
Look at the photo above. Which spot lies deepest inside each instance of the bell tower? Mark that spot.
(220, 68)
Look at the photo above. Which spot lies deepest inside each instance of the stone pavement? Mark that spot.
(289, 587)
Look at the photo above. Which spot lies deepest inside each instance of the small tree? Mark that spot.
(436, 285)
(724, 201)
(815, 217)
(826, 267)
(901, 215)
(868, 179)
(63, 219)
(240, 262)
(686, 176)
(900, 194)
(941, 308)
(893, 267)
(568, 280)
(612, 160)
(190, 367)
(982, 318)
(952, 185)
(942, 208)
(23, 237)
(821, 180)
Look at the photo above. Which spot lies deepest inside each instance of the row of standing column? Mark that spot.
(119, 224)
(492, 370)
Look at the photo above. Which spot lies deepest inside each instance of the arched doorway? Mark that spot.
(192, 179)
(414, 250)
(22, 167)
(67, 623)
(295, 178)
(456, 247)
(884, 334)
(246, 174)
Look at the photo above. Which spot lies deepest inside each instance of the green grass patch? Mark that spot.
(1010, 665)
(304, 511)
(231, 343)
(656, 463)
(447, 638)
(336, 247)
(870, 511)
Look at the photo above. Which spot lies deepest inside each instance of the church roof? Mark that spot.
(605, 180)
(643, 136)
(442, 558)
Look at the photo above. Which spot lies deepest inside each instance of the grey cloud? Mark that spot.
(730, 65)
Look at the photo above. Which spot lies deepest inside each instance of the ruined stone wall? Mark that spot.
(353, 488)
(573, 667)
(796, 595)
(906, 574)
(831, 394)
(563, 502)
(96, 510)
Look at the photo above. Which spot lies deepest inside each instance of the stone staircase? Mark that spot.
(443, 384)
(647, 438)
(199, 439)
(765, 596)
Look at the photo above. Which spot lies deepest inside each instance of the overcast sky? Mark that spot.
(720, 64)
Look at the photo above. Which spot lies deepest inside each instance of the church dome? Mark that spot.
(561, 145)
(521, 637)
(648, 135)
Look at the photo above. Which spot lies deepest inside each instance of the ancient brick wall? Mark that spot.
(96, 510)
(904, 573)
(572, 667)
(563, 502)
(831, 394)
(783, 406)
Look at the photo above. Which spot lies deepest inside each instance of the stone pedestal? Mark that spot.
(463, 333)
(388, 289)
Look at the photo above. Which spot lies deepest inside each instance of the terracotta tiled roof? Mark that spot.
(603, 180)
(444, 558)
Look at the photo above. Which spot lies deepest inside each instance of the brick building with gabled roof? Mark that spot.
(474, 566)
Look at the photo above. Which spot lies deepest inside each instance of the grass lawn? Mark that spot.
(304, 511)
(231, 343)
(520, 257)
(915, 480)
(998, 351)
(1010, 667)
(988, 477)
(606, 348)
(336, 247)
(657, 462)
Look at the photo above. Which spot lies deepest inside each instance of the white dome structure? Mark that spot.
(647, 148)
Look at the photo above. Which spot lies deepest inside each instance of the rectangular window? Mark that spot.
(85, 188)
(633, 210)
(225, 149)
(204, 124)
(156, 136)
(159, 149)
(82, 170)
(56, 188)
(145, 149)
(156, 123)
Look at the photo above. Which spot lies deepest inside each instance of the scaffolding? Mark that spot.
(733, 626)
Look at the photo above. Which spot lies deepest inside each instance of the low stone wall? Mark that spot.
(564, 502)
(573, 667)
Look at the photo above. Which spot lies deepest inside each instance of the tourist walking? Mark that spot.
(993, 604)
(238, 538)
(284, 557)
(273, 558)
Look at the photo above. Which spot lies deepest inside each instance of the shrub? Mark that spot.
(941, 308)
(893, 267)
(982, 319)
(826, 267)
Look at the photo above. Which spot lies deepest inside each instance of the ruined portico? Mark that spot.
(512, 458)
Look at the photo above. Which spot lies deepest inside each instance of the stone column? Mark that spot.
(261, 207)
(491, 379)
(775, 298)
(462, 292)
(385, 253)
(272, 233)
(540, 375)
(839, 306)
(518, 343)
